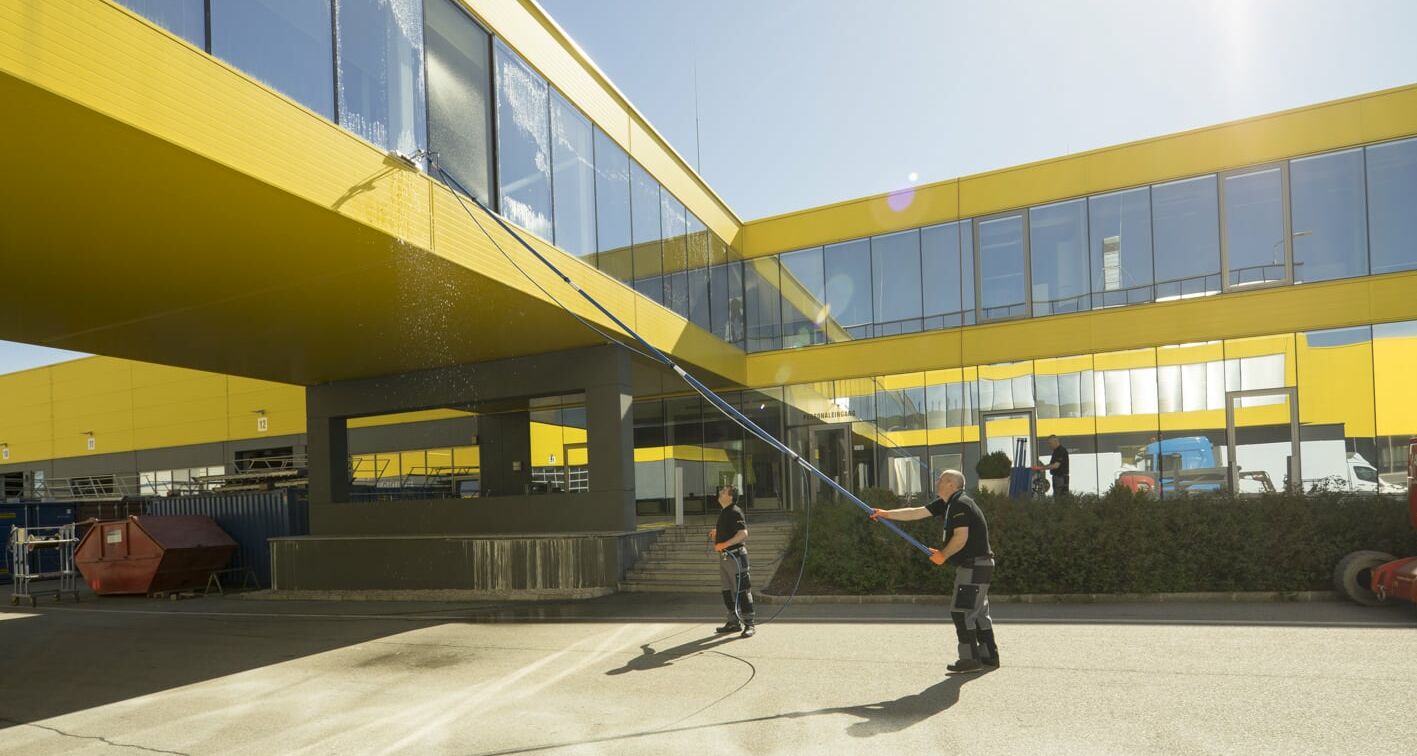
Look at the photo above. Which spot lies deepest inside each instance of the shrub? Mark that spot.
(995, 464)
(1117, 543)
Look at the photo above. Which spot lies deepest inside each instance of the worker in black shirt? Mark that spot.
(729, 537)
(967, 548)
(1057, 467)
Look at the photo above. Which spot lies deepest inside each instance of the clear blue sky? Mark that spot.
(807, 102)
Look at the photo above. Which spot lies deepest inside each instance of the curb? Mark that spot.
(1068, 598)
(432, 596)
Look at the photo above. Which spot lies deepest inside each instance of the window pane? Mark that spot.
(523, 144)
(1330, 216)
(1001, 267)
(1392, 195)
(1186, 225)
(1254, 227)
(572, 177)
(803, 298)
(1120, 226)
(612, 207)
(645, 211)
(380, 50)
(726, 291)
(698, 260)
(895, 275)
(760, 284)
(284, 43)
(942, 284)
(674, 226)
(1057, 243)
(848, 285)
(968, 284)
(459, 56)
(185, 18)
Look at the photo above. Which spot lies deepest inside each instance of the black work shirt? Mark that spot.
(730, 521)
(961, 512)
(1060, 456)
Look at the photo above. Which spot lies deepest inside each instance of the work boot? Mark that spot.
(749, 631)
(990, 650)
(966, 665)
(730, 626)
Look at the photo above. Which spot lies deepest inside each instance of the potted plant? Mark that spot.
(993, 470)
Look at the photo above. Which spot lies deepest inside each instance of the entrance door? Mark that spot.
(1262, 438)
(831, 453)
(1001, 431)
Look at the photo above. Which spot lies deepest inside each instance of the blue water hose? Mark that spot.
(650, 350)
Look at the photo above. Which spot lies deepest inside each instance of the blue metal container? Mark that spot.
(251, 519)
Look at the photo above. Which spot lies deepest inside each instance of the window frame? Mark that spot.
(1287, 231)
(1027, 304)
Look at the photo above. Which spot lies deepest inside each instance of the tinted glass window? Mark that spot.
(1329, 216)
(848, 286)
(1120, 228)
(1254, 227)
(698, 260)
(380, 51)
(459, 56)
(1186, 229)
(726, 311)
(523, 144)
(284, 43)
(572, 177)
(760, 291)
(645, 210)
(1002, 264)
(803, 297)
(185, 18)
(895, 277)
(942, 284)
(674, 226)
(1392, 195)
(612, 207)
(1057, 244)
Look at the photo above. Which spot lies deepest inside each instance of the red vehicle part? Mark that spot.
(1372, 578)
(145, 555)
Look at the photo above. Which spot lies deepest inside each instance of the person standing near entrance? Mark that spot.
(729, 538)
(1057, 467)
(967, 548)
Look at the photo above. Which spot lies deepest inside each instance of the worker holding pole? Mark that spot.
(967, 548)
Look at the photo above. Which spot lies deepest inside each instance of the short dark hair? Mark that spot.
(729, 488)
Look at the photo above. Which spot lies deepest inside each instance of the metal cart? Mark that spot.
(43, 554)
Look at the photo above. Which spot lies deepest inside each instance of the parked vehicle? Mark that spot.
(1373, 578)
(1187, 463)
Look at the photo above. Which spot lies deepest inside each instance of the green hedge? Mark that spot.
(1118, 543)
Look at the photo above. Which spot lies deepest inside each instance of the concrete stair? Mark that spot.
(682, 561)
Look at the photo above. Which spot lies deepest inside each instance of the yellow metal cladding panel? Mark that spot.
(882, 213)
(1063, 365)
(283, 406)
(1190, 354)
(1378, 116)
(1065, 427)
(177, 407)
(1329, 380)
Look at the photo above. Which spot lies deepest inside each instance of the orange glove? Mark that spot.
(878, 514)
(720, 547)
(937, 557)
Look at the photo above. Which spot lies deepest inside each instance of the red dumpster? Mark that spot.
(152, 554)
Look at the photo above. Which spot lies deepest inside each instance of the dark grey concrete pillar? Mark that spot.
(327, 452)
(610, 436)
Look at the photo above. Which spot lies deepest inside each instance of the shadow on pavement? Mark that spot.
(651, 659)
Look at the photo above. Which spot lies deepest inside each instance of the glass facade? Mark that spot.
(1185, 224)
(1392, 193)
(459, 57)
(523, 144)
(185, 18)
(804, 286)
(1057, 238)
(573, 176)
(612, 208)
(896, 283)
(379, 46)
(847, 267)
(646, 219)
(288, 44)
(1329, 206)
(1119, 225)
